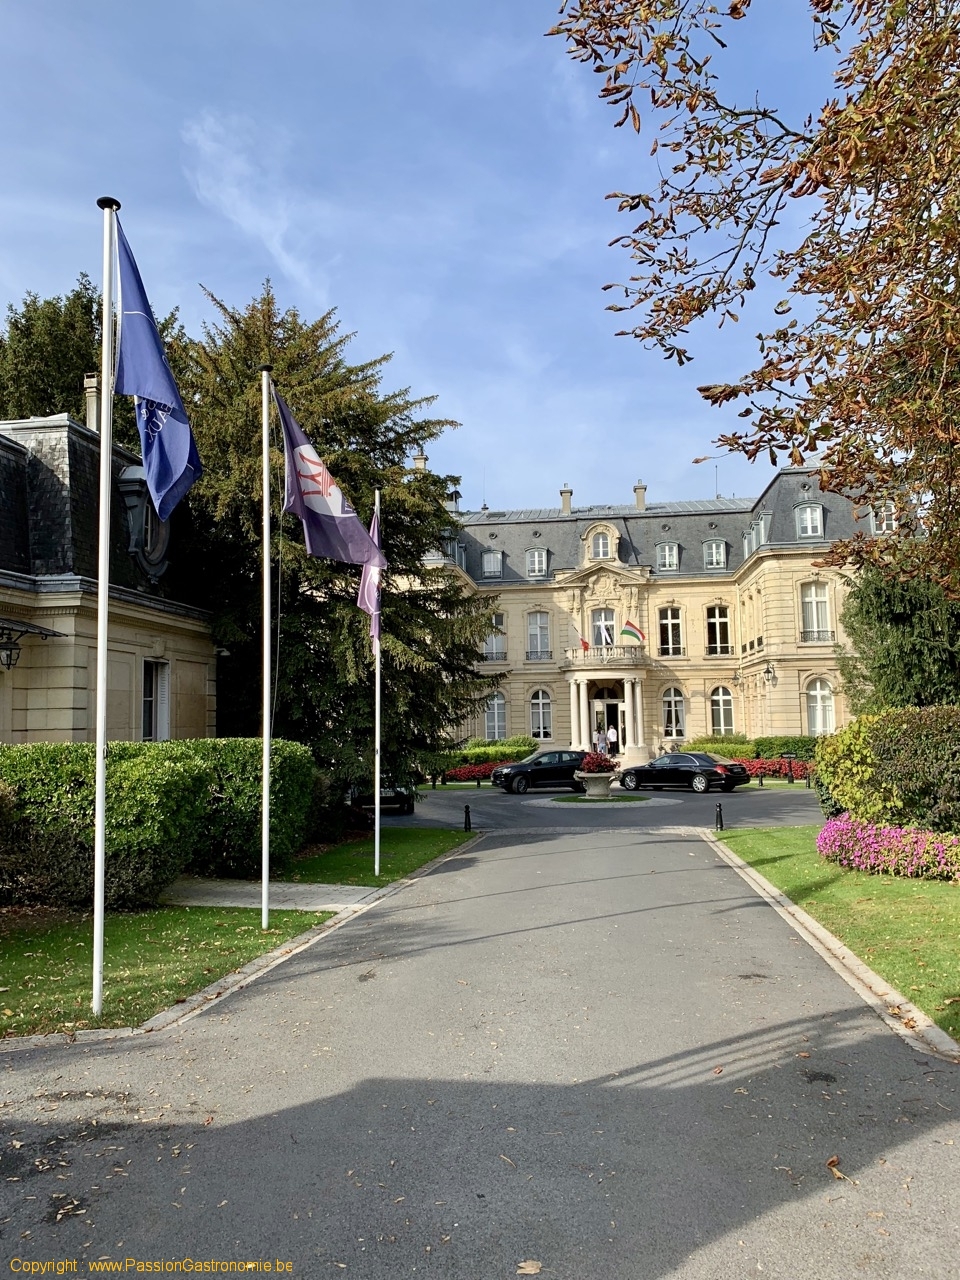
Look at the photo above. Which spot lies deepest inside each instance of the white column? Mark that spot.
(640, 729)
(586, 730)
(628, 716)
(574, 715)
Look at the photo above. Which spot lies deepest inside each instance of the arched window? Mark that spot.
(602, 625)
(541, 722)
(673, 714)
(495, 725)
(820, 717)
(601, 546)
(721, 711)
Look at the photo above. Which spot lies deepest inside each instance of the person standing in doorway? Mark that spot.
(600, 742)
(612, 741)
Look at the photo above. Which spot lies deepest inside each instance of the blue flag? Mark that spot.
(170, 456)
(331, 528)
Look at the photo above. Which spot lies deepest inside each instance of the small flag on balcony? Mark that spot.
(583, 643)
(632, 632)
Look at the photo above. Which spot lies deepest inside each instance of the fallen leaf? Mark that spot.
(529, 1268)
(832, 1164)
(803, 1055)
(718, 1071)
(209, 1120)
(512, 1166)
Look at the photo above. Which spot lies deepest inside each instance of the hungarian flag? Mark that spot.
(632, 632)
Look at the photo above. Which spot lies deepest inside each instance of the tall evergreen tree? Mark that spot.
(905, 644)
(432, 629)
(49, 344)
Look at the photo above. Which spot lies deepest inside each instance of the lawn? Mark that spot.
(151, 959)
(908, 931)
(402, 850)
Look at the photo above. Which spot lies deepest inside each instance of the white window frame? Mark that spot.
(668, 557)
(715, 554)
(537, 562)
(538, 633)
(495, 718)
(491, 558)
(718, 630)
(673, 706)
(884, 521)
(814, 608)
(496, 645)
(810, 520)
(821, 708)
(602, 626)
(721, 711)
(600, 546)
(155, 701)
(541, 714)
(674, 625)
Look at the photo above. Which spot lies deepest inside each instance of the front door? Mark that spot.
(607, 712)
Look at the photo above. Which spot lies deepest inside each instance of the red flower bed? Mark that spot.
(775, 768)
(471, 772)
(596, 762)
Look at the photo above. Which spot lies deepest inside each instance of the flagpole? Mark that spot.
(109, 206)
(376, 723)
(265, 371)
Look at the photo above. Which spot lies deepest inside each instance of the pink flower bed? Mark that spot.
(895, 851)
(775, 768)
(471, 772)
(597, 762)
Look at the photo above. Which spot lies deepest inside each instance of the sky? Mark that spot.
(435, 170)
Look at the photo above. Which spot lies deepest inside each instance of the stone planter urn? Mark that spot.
(597, 785)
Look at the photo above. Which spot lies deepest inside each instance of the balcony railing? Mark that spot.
(817, 637)
(539, 655)
(601, 653)
(719, 650)
(494, 655)
(672, 651)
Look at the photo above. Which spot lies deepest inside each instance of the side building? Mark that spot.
(162, 664)
(667, 620)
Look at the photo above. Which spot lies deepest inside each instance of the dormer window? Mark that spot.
(491, 564)
(715, 554)
(600, 548)
(884, 520)
(810, 521)
(668, 557)
(536, 564)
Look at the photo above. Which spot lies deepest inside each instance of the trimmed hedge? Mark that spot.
(732, 745)
(736, 746)
(155, 810)
(170, 805)
(896, 851)
(504, 750)
(775, 768)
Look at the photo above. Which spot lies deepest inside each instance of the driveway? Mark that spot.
(594, 1056)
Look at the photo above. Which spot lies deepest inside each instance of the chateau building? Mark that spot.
(666, 620)
(162, 664)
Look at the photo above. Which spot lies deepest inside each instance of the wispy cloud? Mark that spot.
(238, 172)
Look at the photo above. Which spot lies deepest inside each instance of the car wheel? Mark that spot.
(578, 787)
(728, 786)
(407, 809)
(699, 783)
(521, 785)
(629, 782)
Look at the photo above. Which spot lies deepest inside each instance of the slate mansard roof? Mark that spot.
(688, 524)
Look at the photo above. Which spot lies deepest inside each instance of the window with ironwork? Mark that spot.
(715, 554)
(538, 637)
(495, 645)
(671, 640)
(668, 557)
(718, 630)
(815, 613)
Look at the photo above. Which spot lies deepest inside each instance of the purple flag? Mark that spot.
(331, 527)
(368, 597)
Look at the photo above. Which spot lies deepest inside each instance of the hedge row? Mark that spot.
(477, 751)
(170, 806)
(899, 851)
(775, 768)
(473, 772)
(898, 768)
(737, 746)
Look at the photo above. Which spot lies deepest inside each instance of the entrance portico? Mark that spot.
(598, 699)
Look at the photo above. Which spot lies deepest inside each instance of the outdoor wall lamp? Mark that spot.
(769, 673)
(9, 649)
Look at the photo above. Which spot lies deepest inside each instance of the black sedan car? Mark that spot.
(542, 769)
(698, 770)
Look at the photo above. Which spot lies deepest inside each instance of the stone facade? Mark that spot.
(739, 622)
(162, 664)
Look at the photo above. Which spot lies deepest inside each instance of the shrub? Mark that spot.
(896, 851)
(804, 748)
(775, 768)
(732, 745)
(847, 768)
(505, 750)
(155, 808)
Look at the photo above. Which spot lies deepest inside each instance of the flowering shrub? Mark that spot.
(775, 768)
(473, 772)
(596, 762)
(896, 851)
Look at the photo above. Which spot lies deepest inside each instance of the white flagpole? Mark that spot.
(109, 206)
(376, 719)
(265, 371)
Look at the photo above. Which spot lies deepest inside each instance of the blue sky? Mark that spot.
(434, 169)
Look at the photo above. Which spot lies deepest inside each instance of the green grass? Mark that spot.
(402, 850)
(908, 931)
(151, 959)
(599, 799)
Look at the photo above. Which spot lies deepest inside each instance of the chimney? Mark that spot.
(91, 391)
(640, 494)
(566, 497)
(420, 461)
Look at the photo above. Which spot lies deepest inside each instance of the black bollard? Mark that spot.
(478, 782)
(466, 818)
(443, 779)
(760, 779)
(790, 777)
(808, 779)
(719, 816)
(433, 783)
